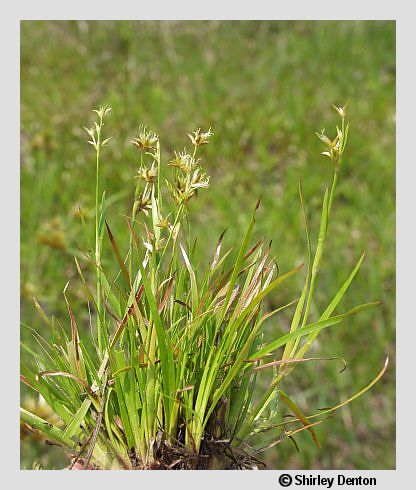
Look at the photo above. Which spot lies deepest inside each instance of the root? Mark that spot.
(213, 455)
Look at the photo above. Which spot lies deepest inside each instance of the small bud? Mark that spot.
(323, 137)
(102, 111)
(91, 133)
(342, 110)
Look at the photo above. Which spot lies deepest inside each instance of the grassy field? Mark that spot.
(265, 88)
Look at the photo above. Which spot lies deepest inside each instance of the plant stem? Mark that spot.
(332, 193)
(97, 240)
(133, 216)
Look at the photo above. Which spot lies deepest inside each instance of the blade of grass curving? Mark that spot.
(238, 263)
(308, 329)
(299, 414)
(217, 252)
(311, 328)
(85, 283)
(356, 395)
(54, 398)
(68, 375)
(117, 254)
(46, 428)
(304, 359)
(166, 296)
(288, 435)
(75, 424)
(41, 312)
(194, 288)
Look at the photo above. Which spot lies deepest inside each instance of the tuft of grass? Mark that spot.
(168, 376)
(264, 86)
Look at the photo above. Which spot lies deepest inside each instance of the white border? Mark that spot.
(212, 9)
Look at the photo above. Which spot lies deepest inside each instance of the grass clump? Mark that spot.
(167, 377)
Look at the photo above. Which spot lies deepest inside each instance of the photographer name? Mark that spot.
(328, 482)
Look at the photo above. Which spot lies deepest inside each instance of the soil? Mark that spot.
(213, 455)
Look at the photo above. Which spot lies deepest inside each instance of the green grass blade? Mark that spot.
(331, 307)
(74, 426)
(46, 428)
(299, 414)
(310, 329)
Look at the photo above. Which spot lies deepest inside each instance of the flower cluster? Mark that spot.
(149, 175)
(188, 184)
(154, 245)
(143, 203)
(335, 147)
(199, 137)
(94, 132)
(146, 139)
(189, 176)
(183, 161)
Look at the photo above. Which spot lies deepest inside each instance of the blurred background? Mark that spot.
(265, 87)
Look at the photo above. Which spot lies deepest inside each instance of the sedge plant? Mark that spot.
(167, 378)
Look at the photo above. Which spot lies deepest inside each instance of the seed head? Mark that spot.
(146, 140)
(144, 203)
(149, 175)
(102, 111)
(342, 110)
(324, 138)
(187, 185)
(199, 137)
(183, 161)
(154, 245)
(163, 223)
(333, 147)
(199, 180)
(94, 132)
